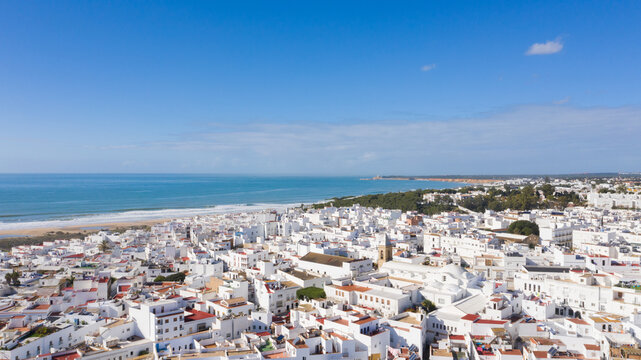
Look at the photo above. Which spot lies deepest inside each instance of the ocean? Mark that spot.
(57, 200)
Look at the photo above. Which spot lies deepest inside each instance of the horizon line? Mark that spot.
(327, 175)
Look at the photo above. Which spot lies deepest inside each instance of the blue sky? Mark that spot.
(363, 87)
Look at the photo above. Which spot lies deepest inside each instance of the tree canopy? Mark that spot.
(310, 293)
(523, 227)
(497, 199)
(12, 278)
(177, 277)
(428, 305)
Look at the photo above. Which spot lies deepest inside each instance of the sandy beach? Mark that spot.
(446, 179)
(86, 228)
(464, 180)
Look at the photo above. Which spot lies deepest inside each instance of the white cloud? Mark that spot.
(428, 67)
(118, 147)
(547, 48)
(565, 100)
(518, 140)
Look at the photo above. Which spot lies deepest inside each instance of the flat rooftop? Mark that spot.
(303, 275)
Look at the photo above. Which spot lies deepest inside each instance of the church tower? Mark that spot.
(385, 249)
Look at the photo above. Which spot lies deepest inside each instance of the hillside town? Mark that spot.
(341, 283)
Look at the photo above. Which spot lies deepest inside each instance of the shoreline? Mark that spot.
(128, 218)
(93, 223)
(455, 180)
(84, 228)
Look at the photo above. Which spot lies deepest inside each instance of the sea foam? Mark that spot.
(141, 215)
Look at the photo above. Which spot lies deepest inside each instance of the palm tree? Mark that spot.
(104, 246)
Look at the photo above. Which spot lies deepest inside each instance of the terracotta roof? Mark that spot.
(325, 259)
(540, 354)
(341, 321)
(493, 322)
(66, 355)
(339, 336)
(197, 315)
(578, 321)
(470, 317)
(353, 288)
(364, 320)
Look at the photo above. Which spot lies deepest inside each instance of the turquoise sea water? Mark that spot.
(28, 200)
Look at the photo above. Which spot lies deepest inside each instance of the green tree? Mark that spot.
(43, 331)
(524, 199)
(67, 282)
(441, 204)
(177, 277)
(523, 227)
(13, 278)
(311, 292)
(548, 190)
(104, 246)
(428, 305)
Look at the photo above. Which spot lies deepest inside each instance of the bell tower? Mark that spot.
(385, 249)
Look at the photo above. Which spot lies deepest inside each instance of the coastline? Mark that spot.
(150, 211)
(456, 180)
(124, 219)
(85, 228)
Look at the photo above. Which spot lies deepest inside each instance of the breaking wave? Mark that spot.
(140, 215)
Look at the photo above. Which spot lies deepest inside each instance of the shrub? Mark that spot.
(310, 293)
